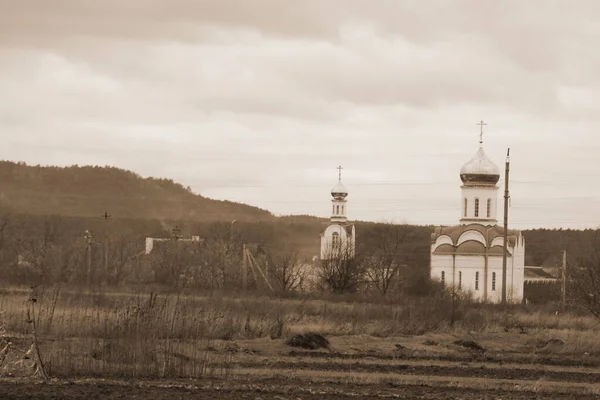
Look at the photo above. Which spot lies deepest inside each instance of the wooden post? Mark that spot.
(88, 249)
(563, 286)
(106, 216)
(89, 263)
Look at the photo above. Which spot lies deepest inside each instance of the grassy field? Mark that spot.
(223, 346)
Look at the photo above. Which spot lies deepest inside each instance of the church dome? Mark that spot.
(480, 170)
(339, 191)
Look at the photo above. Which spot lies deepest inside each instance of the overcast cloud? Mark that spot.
(258, 101)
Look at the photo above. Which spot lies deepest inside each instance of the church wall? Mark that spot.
(514, 277)
(441, 263)
(326, 238)
(469, 266)
(519, 270)
(495, 266)
(339, 210)
(483, 194)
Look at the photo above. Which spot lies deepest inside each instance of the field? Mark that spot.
(120, 345)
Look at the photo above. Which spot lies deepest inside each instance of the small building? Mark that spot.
(151, 242)
(541, 275)
(469, 256)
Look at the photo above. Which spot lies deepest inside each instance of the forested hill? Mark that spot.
(90, 191)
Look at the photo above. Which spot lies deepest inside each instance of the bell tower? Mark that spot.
(479, 190)
(339, 202)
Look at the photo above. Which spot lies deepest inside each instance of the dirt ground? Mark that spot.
(259, 390)
(357, 367)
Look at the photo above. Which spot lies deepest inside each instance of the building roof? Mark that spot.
(478, 239)
(533, 274)
(490, 232)
(348, 227)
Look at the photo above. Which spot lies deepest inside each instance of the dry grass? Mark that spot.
(111, 334)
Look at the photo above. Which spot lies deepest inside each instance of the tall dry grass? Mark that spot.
(177, 335)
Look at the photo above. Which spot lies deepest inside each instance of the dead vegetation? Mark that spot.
(310, 340)
(175, 335)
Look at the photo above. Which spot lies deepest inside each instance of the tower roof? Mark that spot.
(480, 169)
(339, 190)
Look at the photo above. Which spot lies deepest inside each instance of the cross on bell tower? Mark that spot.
(340, 168)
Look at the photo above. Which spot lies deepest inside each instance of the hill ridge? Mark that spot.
(88, 190)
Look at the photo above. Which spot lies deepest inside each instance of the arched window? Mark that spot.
(476, 280)
(489, 208)
(493, 281)
(459, 280)
(476, 207)
(443, 277)
(333, 209)
(342, 210)
(337, 210)
(466, 205)
(335, 239)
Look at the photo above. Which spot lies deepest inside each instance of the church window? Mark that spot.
(443, 277)
(476, 207)
(493, 281)
(489, 208)
(337, 210)
(333, 210)
(335, 239)
(466, 205)
(459, 280)
(342, 210)
(476, 280)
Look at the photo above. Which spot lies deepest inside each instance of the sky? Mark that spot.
(258, 101)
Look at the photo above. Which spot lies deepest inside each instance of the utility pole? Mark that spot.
(563, 285)
(504, 253)
(106, 216)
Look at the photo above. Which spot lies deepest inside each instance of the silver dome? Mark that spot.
(339, 190)
(480, 169)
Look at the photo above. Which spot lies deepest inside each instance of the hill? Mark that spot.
(89, 191)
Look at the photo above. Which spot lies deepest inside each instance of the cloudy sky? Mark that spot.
(259, 101)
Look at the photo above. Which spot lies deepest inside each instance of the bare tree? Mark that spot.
(174, 262)
(223, 258)
(584, 275)
(341, 271)
(286, 269)
(122, 252)
(385, 257)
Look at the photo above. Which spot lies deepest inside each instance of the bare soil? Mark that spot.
(355, 367)
(256, 390)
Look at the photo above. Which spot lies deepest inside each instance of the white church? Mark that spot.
(469, 255)
(339, 238)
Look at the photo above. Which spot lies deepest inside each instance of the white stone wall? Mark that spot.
(483, 193)
(347, 241)
(339, 210)
(469, 265)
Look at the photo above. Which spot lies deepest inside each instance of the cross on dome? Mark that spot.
(339, 191)
(481, 124)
